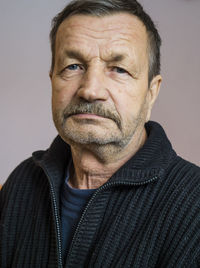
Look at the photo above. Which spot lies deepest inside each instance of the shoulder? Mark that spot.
(23, 177)
(184, 168)
(182, 184)
(26, 169)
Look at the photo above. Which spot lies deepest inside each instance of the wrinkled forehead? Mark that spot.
(121, 25)
(118, 32)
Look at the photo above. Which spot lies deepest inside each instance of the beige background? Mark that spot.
(25, 111)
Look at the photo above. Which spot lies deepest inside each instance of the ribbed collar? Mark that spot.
(150, 161)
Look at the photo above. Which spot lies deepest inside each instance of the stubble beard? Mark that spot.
(112, 140)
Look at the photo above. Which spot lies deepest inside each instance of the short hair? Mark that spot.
(102, 8)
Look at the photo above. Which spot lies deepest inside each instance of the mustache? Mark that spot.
(92, 108)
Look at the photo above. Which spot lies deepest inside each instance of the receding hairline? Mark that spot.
(113, 13)
(103, 15)
(115, 55)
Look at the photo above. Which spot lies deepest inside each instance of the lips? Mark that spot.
(90, 115)
(81, 109)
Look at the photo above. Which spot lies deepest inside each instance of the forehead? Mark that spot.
(121, 31)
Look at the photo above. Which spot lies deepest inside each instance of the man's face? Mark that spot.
(100, 79)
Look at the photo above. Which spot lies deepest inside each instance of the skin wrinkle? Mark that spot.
(111, 59)
(78, 26)
(109, 36)
(101, 144)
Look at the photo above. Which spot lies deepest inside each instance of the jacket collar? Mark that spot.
(149, 162)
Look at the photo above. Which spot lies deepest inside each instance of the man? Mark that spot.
(110, 191)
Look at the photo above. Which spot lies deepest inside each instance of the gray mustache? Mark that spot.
(92, 108)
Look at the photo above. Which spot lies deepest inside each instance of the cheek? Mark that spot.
(62, 94)
(126, 100)
(129, 100)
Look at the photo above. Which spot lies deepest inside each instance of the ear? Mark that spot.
(153, 92)
(50, 74)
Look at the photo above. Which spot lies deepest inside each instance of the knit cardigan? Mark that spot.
(146, 215)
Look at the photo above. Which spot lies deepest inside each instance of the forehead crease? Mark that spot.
(104, 41)
(102, 26)
(80, 31)
(107, 54)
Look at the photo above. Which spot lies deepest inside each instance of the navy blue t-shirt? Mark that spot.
(73, 202)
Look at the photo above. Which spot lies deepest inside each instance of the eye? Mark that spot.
(74, 67)
(119, 70)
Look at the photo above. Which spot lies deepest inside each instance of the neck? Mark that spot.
(93, 167)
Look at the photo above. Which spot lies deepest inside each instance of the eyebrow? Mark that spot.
(116, 57)
(74, 54)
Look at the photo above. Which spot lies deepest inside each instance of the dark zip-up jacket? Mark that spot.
(146, 215)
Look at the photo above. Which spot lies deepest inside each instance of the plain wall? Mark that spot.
(25, 103)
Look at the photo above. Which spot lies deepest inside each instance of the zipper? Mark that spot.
(102, 188)
(57, 227)
(57, 221)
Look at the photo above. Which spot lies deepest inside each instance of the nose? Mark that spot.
(93, 86)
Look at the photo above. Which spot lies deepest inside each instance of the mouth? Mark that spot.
(91, 113)
(87, 116)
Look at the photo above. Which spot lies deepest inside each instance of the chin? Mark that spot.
(94, 139)
(85, 139)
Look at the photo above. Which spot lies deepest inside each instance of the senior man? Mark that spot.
(110, 191)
